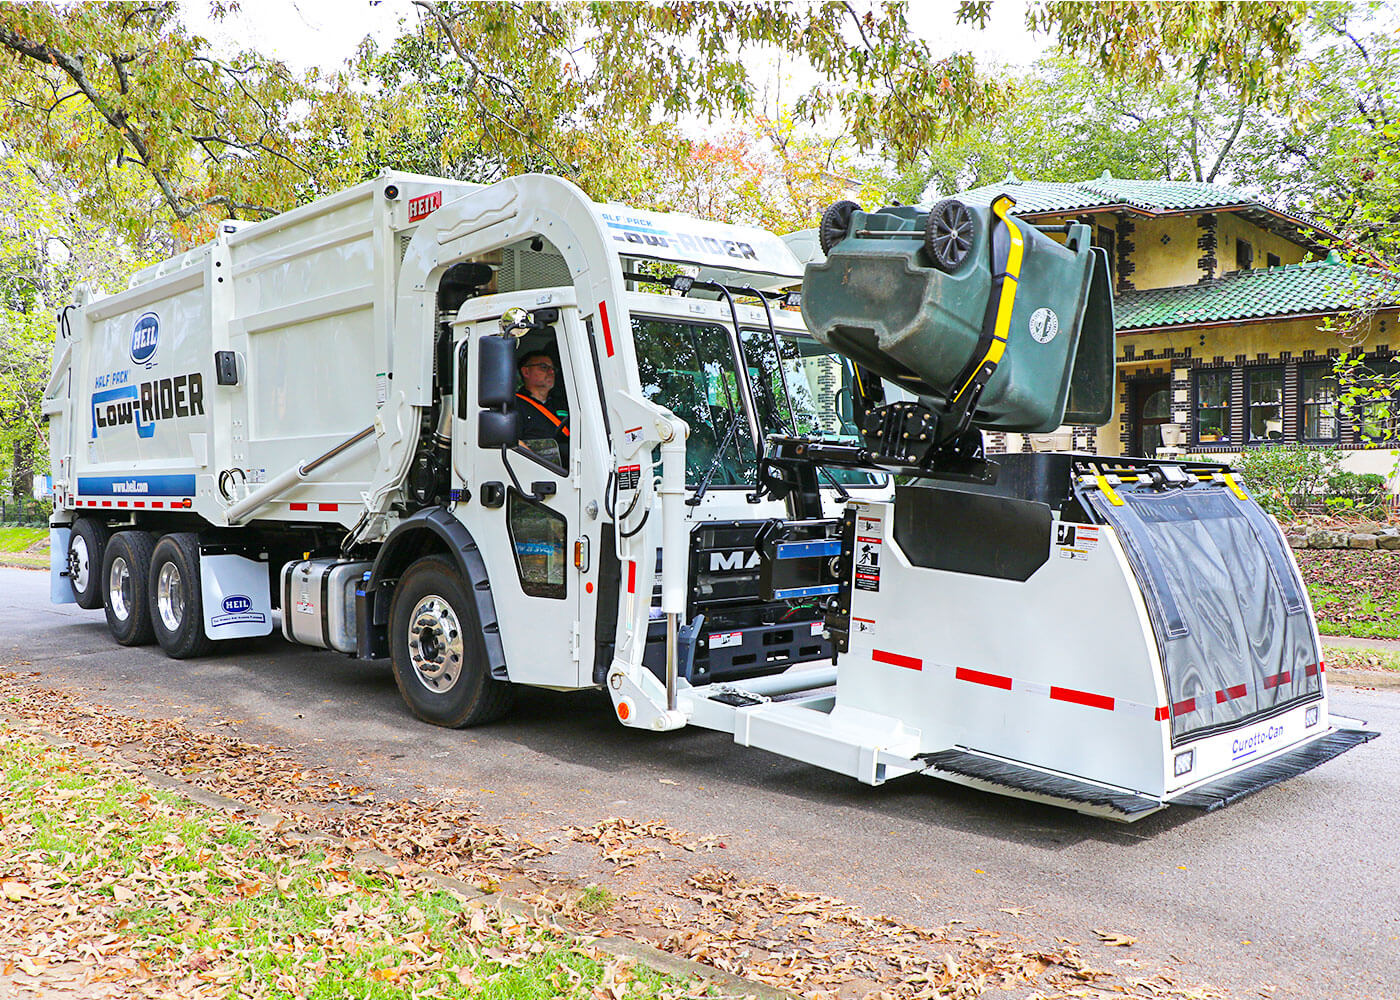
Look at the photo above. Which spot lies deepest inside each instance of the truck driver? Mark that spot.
(544, 422)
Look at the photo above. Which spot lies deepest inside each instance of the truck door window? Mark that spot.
(689, 368)
(538, 538)
(542, 400)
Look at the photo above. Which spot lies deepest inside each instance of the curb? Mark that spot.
(639, 951)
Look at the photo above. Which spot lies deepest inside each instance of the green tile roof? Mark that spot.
(1326, 286)
(1037, 198)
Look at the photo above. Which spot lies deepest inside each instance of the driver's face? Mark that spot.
(538, 376)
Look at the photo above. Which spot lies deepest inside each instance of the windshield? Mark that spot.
(688, 367)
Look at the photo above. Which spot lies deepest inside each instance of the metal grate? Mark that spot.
(524, 269)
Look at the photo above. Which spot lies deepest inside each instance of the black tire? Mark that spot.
(836, 224)
(420, 617)
(949, 233)
(177, 617)
(126, 572)
(86, 545)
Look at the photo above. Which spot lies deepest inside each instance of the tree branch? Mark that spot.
(73, 66)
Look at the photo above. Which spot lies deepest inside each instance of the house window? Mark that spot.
(1213, 406)
(1377, 417)
(1317, 403)
(1244, 254)
(1264, 405)
(1273, 259)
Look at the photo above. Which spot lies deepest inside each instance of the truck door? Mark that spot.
(525, 525)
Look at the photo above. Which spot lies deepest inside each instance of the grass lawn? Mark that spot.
(108, 880)
(15, 544)
(1354, 592)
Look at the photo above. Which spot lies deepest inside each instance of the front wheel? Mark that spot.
(86, 545)
(438, 651)
(177, 606)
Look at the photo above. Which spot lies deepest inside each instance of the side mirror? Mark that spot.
(496, 374)
(496, 429)
(515, 319)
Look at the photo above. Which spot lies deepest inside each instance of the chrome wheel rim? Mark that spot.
(435, 644)
(78, 562)
(170, 597)
(119, 589)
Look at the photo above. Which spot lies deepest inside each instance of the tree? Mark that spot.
(143, 118)
(1067, 122)
(556, 86)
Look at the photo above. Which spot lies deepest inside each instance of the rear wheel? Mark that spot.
(126, 568)
(949, 233)
(86, 544)
(835, 225)
(438, 651)
(177, 607)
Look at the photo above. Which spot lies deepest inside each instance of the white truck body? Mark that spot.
(301, 401)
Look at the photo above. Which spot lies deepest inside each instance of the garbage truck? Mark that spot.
(502, 435)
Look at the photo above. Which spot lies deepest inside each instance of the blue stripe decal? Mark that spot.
(807, 550)
(789, 594)
(136, 486)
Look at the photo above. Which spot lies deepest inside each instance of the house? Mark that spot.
(1228, 314)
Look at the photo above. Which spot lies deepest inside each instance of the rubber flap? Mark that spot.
(1234, 787)
(1029, 779)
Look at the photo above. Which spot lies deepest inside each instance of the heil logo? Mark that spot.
(143, 340)
(237, 603)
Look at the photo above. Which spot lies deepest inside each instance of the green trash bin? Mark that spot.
(970, 307)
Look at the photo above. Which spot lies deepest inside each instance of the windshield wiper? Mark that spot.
(704, 486)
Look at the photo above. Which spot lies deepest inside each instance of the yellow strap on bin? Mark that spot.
(1015, 251)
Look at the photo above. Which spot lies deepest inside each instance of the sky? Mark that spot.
(306, 33)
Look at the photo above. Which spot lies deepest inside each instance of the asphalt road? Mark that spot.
(1293, 892)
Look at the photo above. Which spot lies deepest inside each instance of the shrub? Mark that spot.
(1285, 478)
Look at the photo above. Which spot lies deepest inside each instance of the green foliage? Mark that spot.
(1282, 479)
(1247, 47)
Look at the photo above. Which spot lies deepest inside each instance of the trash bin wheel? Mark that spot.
(948, 234)
(836, 224)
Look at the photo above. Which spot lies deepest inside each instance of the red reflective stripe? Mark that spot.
(106, 503)
(1230, 694)
(631, 576)
(1310, 670)
(1277, 679)
(978, 677)
(1162, 714)
(607, 328)
(297, 506)
(157, 503)
(1183, 707)
(896, 660)
(1081, 698)
(328, 506)
(1322, 666)
(138, 503)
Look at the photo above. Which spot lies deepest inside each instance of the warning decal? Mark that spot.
(628, 477)
(863, 626)
(868, 578)
(867, 551)
(1076, 541)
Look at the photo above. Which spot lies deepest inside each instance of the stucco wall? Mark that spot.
(1164, 265)
(1232, 227)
